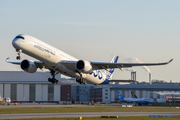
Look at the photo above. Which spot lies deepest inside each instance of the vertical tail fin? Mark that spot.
(133, 95)
(120, 97)
(111, 71)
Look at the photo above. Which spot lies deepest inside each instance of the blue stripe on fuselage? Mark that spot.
(105, 82)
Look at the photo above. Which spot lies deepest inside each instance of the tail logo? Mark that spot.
(120, 97)
(110, 71)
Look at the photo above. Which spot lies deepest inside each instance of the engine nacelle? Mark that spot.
(28, 66)
(8, 100)
(84, 66)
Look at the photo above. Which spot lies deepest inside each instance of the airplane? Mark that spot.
(146, 99)
(57, 61)
(153, 99)
(138, 101)
(5, 100)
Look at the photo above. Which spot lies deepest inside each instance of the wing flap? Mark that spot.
(42, 65)
(71, 65)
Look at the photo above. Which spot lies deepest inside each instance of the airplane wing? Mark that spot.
(71, 65)
(17, 63)
(106, 65)
(99, 65)
(39, 64)
(123, 81)
(96, 65)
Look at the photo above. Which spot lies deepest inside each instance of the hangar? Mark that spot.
(25, 87)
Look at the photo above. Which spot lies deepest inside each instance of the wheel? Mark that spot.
(49, 79)
(84, 81)
(17, 57)
(53, 80)
(81, 80)
(56, 81)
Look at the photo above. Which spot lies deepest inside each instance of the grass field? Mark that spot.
(94, 109)
(119, 118)
(86, 109)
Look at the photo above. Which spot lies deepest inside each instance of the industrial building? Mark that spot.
(26, 87)
(107, 93)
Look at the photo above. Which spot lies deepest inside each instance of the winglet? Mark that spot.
(7, 60)
(165, 62)
(170, 60)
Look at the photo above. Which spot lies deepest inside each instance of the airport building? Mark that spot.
(26, 87)
(107, 93)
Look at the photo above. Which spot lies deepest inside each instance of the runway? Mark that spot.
(83, 114)
(41, 105)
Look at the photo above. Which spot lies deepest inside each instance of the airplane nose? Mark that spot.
(15, 43)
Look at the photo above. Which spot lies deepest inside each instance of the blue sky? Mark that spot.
(97, 30)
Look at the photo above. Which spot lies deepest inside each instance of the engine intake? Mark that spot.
(84, 66)
(28, 66)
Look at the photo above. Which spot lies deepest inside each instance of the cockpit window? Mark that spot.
(20, 37)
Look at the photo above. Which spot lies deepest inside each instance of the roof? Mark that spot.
(24, 77)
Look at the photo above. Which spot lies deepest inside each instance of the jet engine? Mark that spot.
(84, 66)
(28, 66)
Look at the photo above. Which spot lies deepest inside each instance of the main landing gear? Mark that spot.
(19, 56)
(80, 80)
(53, 80)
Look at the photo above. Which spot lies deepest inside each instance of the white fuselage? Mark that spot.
(140, 99)
(53, 57)
(5, 100)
